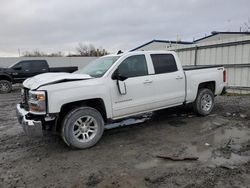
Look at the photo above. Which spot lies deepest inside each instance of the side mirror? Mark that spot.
(17, 68)
(122, 87)
(117, 76)
(120, 84)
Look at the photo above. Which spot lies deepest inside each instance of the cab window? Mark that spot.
(24, 65)
(134, 66)
(163, 63)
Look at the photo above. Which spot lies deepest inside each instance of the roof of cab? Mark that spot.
(142, 52)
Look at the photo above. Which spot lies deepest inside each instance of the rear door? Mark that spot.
(168, 81)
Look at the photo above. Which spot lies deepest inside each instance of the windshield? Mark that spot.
(11, 66)
(98, 67)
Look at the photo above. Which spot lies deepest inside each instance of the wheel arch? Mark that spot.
(96, 103)
(7, 77)
(207, 85)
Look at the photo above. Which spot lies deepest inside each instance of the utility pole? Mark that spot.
(19, 52)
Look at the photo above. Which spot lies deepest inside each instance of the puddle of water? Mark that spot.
(212, 123)
(238, 135)
(209, 154)
(234, 159)
(231, 137)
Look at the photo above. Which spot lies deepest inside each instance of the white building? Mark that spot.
(161, 45)
(215, 36)
(229, 49)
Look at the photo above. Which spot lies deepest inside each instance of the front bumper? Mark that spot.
(31, 127)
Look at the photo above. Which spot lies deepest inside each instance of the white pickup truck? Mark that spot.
(113, 87)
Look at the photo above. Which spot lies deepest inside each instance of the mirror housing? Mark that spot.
(119, 81)
(122, 87)
(117, 76)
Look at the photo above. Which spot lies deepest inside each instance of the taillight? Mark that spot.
(224, 76)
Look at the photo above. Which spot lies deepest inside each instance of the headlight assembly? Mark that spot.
(37, 102)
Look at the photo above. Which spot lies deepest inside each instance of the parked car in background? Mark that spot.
(114, 87)
(22, 70)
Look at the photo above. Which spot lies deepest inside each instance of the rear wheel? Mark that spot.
(204, 102)
(5, 86)
(82, 127)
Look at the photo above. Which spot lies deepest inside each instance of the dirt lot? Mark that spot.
(126, 157)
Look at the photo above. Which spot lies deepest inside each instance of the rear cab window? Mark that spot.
(164, 63)
(39, 65)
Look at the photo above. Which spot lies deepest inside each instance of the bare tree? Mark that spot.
(246, 26)
(82, 49)
(89, 50)
(56, 54)
(37, 53)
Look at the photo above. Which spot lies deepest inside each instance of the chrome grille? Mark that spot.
(25, 98)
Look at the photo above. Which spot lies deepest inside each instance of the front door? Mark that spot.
(137, 87)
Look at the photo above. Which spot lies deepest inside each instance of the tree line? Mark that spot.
(82, 50)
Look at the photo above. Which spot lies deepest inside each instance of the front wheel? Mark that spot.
(82, 127)
(204, 102)
(5, 86)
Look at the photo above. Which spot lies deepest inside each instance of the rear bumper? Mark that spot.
(31, 127)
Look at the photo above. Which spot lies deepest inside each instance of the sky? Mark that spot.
(60, 25)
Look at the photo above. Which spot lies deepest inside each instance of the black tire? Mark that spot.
(69, 125)
(204, 108)
(5, 86)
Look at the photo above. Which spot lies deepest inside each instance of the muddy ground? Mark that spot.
(127, 156)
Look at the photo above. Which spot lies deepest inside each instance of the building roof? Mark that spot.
(162, 41)
(213, 33)
(185, 42)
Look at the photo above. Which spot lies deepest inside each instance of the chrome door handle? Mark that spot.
(179, 78)
(147, 81)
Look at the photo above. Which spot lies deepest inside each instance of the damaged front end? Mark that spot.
(31, 113)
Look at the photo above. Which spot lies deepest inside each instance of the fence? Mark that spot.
(233, 54)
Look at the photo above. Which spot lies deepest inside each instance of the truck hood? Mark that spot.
(52, 78)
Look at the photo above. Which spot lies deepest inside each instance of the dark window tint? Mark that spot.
(38, 65)
(163, 63)
(134, 66)
(25, 65)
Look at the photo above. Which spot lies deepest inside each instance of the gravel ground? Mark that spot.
(127, 156)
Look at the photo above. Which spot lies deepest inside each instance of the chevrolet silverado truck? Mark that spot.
(111, 88)
(22, 70)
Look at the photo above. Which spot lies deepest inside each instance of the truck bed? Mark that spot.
(202, 74)
(63, 69)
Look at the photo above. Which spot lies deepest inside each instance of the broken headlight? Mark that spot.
(37, 102)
